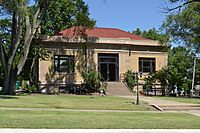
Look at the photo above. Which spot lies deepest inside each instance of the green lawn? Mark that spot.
(85, 120)
(183, 99)
(71, 102)
(64, 119)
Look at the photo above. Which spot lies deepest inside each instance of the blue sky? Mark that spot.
(127, 14)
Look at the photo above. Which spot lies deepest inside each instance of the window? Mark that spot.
(147, 65)
(64, 63)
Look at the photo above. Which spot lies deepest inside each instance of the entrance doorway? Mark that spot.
(109, 66)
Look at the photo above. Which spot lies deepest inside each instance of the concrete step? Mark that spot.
(117, 89)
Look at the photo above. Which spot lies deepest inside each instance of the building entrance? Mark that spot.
(109, 66)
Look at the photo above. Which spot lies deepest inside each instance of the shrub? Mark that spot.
(32, 89)
(92, 80)
(130, 79)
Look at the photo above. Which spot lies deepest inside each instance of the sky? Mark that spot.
(127, 14)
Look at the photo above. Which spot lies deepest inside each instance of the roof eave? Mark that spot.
(99, 40)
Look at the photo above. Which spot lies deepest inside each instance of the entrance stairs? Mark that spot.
(117, 89)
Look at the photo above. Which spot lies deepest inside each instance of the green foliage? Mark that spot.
(152, 34)
(162, 76)
(5, 37)
(149, 80)
(25, 86)
(63, 14)
(187, 86)
(31, 89)
(179, 71)
(37, 51)
(5, 30)
(92, 80)
(183, 27)
(130, 79)
(180, 66)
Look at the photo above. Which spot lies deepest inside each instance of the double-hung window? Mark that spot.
(147, 65)
(64, 63)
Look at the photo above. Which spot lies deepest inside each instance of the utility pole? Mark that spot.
(193, 77)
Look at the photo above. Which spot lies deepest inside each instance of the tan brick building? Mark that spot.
(110, 51)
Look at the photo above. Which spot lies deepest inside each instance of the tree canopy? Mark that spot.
(152, 34)
(180, 67)
(183, 26)
(63, 14)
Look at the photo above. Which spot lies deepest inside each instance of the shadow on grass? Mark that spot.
(130, 102)
(8, 97)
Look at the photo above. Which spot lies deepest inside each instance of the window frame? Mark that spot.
(66, 58)
(151, 67)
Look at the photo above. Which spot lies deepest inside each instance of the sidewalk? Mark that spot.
(167, 105)
(160, 102)
(157, 101)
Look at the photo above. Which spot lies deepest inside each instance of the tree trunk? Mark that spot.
(163, 90)
(10, 82)
(31, 70)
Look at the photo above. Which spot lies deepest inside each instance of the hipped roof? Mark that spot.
(99, 33)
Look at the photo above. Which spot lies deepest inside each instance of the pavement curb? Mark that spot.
(157, 107)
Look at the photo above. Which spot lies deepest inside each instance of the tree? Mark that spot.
(182, 4)
(184, 26)
(162, 76)
(181, 68)
(17, 12)
(152, 34)
(179, 71)
(63, 14)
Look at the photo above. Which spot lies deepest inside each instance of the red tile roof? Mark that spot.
(99, 33)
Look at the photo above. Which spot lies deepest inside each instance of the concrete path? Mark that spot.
(160, 102)
(157, 101)
(169, 105)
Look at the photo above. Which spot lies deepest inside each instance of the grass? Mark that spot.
(87, 120)
(94, 120)
(183, 99)
(71, 102)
